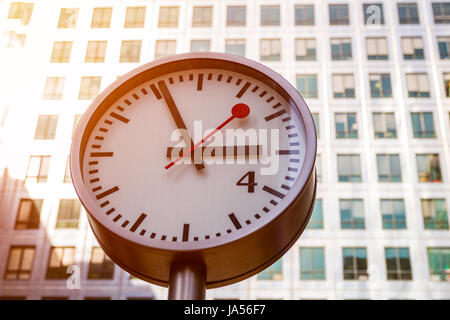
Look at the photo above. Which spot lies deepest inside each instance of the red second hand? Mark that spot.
(240, 110)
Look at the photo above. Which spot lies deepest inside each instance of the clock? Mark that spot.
(198, 158)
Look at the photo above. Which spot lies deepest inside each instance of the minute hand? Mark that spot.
(176, 116)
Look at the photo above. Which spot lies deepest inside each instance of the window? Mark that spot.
(439, 263)
(274, 272)
(434, 214)
(200, 45)
(389, 168)
(346, 125)
(412, 48)
(270, 15)
(20, 263)
(373, 13)
(54, 87)
(380, 85)
(75, 122)
(446, 77)
(417, 84)
(236, 16)
(130, 51)
(355, 263)
(68, 18)
(305, 49)
(423, 124)
(135, 17)
(235, 46)
(312, 264)
(67, 176)
(444, 47)
(307, 85)
(407, 13)
(341, 49)
(68, 213)
(441, 12)
(100, 266)
(316, 124)
(61, 51)
(38, 167)
(316, 220)
(270, 50)
(202, 17)
(393, 213)
(398, 264)
(21, 11)
(11, 39)
(428, 167)
(29, 213)
(164, 48)
(343, 86)
(168, 17)
(304, 15)
(377, 48)
(319, 167)
(384, 125)
(349, 168)
(60, 259)
(339, 14)
(101, 18)
(89, 87)
(95, 51)
(46, 127)
(352, 214)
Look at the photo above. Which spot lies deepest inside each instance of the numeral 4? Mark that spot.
(250, 184)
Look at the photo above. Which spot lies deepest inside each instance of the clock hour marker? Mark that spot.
(275, 115)
(235, 221)
(107, 192)
(138, 222)
(200, 82)
(186, 232)
(119, 117)
(287, 152)
(273, 192)
(156, 92)
(243, 89)
(101, 154)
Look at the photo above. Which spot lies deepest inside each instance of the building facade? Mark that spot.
(375, 74)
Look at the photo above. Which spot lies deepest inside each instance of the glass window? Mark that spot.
(59, 260)
(307, 85)
(439, 263)
(377, 48)
(89, 87)
(68, 213)
(101, 18)
(343, 86)
(380, 85)
(54, 87)
(389, 168)
(316, 124)
(384, 125)
(338, 14)
(236, 15)
(46, 127)
(393, 213)
(349, 168)
(130, 51)
(200, 45)
(355, 263)
(441, 12)
(38, 167)
(135, 17)
(446, 77)
(312, 264)
(316, 220)
(352, 214)
(270, 15)
(164, 48)
(20, 262)
(346, 125)
(423, 124)
(417, 84)
(202, 17)
(235, 46)
(168, 17)
(434, 213)
(270, 50)
(28, 214)
(412, 48)
(304, 15)
(341, 49)
(11, 39)
(408, 13)
(398, 264)
(428, 167)
(21, 11)
(61, 51)
(68, 18)
(373, 13)
(96, 51)
(305, 49)
(444, 47)
(100, 266)
(274, 272)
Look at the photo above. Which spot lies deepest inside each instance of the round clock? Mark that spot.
(200, 159)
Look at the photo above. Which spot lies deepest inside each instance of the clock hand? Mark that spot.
(176, 116)
(239, 110)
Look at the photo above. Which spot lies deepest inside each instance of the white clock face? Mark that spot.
(126, 158)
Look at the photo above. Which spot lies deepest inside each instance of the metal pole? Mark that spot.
(187, 281)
